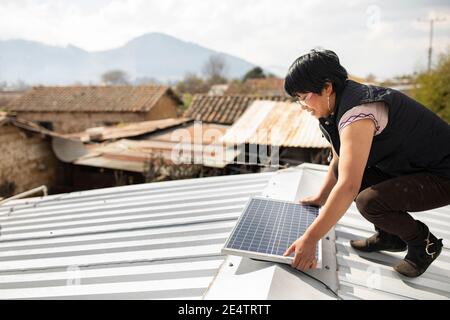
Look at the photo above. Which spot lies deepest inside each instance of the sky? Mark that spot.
(384, 38)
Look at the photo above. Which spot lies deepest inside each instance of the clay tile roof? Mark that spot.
(90, 99)
(7, 97)
(268, 86)
(223, 109)
(262, 87)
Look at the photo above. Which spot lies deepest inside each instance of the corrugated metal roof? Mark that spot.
(370, 276)
(193, 143)
(5, 118)
(149, 241)
(163, 240)
(224, 109)
(359, 275)
(276, 123)
(126, 130)
(90, 99)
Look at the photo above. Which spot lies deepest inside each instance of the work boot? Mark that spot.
(422, 251)
(379, 241)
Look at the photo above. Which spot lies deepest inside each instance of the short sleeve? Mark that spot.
(376, 111)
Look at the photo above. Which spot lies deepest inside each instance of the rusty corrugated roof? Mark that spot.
(179, 144)
(126, 130)
(90, 99)
(276, 123)
(5, 119)
(224, 109)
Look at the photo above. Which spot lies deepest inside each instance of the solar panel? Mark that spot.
(267, 227)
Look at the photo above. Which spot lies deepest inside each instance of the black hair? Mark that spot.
(311, 71)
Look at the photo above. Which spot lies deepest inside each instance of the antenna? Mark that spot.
(430, 48)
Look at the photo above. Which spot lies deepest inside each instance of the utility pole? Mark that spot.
(430, 48)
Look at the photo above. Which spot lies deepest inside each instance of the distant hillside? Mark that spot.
(153, 55)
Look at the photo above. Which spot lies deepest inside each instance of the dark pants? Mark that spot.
(385, 200)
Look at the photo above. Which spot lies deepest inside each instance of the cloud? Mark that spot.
(380, 37)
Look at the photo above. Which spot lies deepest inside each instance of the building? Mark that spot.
(168, 149)
(223, 109)
(163, 241)
(218, 89)
(270, 86)
(74, 109)
(250, 116)
(285, 126)
(180, 148)
(26, 159)
(7, 96)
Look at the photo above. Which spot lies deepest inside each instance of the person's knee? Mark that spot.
(368, 203)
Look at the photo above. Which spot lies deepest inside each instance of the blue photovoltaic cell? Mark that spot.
(271, 226)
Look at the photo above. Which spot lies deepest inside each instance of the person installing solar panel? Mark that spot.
(390, 154)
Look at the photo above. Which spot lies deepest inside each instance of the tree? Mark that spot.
(192, 84)
(255, 73)
(115, 77)
(189, 86)
(432, 88)
(214, 70)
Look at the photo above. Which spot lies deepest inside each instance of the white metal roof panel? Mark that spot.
(359, 275)
(147, 241)
(163, 241)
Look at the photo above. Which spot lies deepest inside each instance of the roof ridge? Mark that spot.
(97, 98)
(99, 86)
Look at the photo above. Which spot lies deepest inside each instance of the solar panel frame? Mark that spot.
(260, 255)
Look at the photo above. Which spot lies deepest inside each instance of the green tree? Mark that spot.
(255, 73)
(432, 88)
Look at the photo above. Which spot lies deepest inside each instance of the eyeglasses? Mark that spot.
(302, 100)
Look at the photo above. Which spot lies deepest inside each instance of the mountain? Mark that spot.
(154, 55)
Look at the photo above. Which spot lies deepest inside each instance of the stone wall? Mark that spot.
(26, 161)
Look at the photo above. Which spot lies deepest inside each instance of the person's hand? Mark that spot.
(316, 201)
(305, 253)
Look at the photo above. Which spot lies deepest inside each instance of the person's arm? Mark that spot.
(328, 184)
(356, 141)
